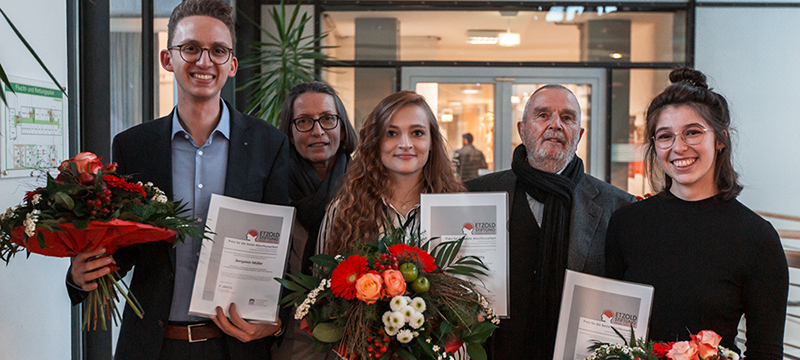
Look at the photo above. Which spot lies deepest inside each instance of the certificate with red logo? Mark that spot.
(479, 218)
(593, 306)
(238, 265)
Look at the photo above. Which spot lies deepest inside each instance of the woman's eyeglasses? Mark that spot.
(326, 122)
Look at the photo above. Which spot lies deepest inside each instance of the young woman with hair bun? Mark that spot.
(709, 258)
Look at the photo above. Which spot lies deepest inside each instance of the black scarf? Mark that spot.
(555, 192)
(310, 196)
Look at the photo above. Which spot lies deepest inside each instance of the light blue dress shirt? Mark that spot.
(197, 172)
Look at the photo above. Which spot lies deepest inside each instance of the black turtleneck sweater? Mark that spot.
(710, 261)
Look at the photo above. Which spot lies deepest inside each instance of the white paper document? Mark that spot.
(481, 218)
(592, 307)
(238, 265)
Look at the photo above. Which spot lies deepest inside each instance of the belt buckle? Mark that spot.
(189, 329)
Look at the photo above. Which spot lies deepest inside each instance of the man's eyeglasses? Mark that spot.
(327, 122)
(191, 53)
(691, 135)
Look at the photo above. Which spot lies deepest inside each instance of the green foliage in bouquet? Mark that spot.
(427, 314)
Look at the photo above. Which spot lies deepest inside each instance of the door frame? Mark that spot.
(504, 78)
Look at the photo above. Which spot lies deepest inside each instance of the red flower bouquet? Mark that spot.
(86, 207)
(393, 300)
(703, 346)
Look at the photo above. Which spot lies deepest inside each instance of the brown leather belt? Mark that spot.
(194, 332)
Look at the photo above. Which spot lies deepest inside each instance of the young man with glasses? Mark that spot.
(204, 146)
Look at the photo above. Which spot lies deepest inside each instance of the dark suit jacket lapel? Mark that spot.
(237, 168)
(160, 153)
(586, 215)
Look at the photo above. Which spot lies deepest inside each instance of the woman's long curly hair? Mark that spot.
(689, 88)
(359, 205)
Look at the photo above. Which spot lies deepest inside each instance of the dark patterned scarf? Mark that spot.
(555, 192)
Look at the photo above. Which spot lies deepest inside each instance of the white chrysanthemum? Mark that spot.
(391, 330)
(407, 312)
(385, 318)
(397, 319)
(416, 320)
(398, 302)
(418, 304)
(405, 336)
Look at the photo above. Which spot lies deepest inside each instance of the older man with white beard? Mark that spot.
(558, 221)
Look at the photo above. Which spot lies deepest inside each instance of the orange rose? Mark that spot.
(394, 282)
(368, 287)
(707, 343)
(87, 162)
(683, 350)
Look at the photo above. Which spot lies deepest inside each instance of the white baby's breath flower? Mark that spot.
(405, 336)
(418, 304)
(36, 198)
(435, 348)
(416, 320)
(397, 319)
(398, 302)
(391, 330)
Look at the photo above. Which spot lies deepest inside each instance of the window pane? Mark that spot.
(464, 108)
(633, 91)
(361, 89)
(568, 34)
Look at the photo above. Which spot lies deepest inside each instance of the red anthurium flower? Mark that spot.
(343, 278)
(661, 349)
(415, 253)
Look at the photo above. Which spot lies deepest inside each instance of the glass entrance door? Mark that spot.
(487, 103)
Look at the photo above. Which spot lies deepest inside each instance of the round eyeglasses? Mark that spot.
(326, 122)
(191, 53)
(691, 135)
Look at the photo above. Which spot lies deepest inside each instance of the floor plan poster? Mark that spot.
(34, 129)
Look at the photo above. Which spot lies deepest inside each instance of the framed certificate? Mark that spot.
(481, 218)
(592, 307)
(238, 265)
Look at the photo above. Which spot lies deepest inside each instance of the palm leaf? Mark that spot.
(3, 76)
(283, 61)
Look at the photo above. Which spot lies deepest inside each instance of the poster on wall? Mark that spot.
(34, 127)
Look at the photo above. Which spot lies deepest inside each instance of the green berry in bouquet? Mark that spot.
(392, 299)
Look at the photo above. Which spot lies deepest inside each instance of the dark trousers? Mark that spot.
(211, 349)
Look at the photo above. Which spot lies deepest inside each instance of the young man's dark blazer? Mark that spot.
(258, 157)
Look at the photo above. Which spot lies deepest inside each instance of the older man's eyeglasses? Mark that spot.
(191, 53)
(691, 135)
(327, 122)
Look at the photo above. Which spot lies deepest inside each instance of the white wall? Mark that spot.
(34, 306)
(752, 57)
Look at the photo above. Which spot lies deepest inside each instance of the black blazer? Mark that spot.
(258, 157)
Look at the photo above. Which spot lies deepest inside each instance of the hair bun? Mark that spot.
(689, 76)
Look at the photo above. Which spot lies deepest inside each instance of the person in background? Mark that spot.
(469, 159)
(558, 221)
(401, 155)
(204, 147)
(322, 139)
(709, 258)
